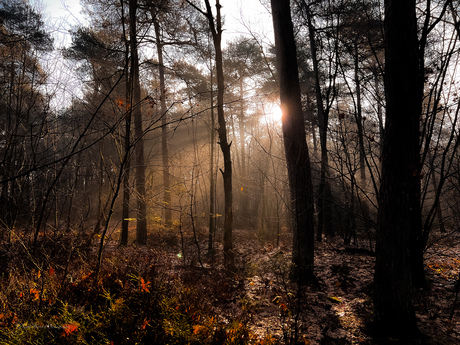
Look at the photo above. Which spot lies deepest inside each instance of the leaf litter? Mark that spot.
(261, 298)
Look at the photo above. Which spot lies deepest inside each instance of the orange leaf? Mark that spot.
(36, 293)
(144, 285)
(197, 329)
(119, 102)
(68, 329)
(145, 324)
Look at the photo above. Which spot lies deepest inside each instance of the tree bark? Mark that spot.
(295, 145)
(394, 312)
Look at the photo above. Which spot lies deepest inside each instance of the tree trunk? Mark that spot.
(141, 228)
(225, 147)
(126, 190)
(164, 132)
(394, 312)
(244, 201)
(359, 117)
(295, 145)
(212, 183)
(324, 189)
(434, 183)
(417, 240)
(216, 30)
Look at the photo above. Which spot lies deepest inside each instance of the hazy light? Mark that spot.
(273, 114)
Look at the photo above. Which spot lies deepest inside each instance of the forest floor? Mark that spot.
(172, 292)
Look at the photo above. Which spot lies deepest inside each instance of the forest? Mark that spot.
(165, 179)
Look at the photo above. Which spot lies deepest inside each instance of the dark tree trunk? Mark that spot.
(212, 183)
(126, 190)
(394, 313)
(141, 226)
(216, 31)
(359, 117)
(297, 156)
(417, 241)
(225, 147)
(99, 211)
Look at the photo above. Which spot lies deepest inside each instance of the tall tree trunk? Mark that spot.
(100, 211)
(434, 183)
(295, 145)
(394, 312)
(126, 189)
(417, 242)
(419, 235)
(244, 202)
(417, 239)
(324, 189)
(164, 129)
(141, 226)
(359, 117)
(229, 262)
(216, 31)
(127, 144)
(212, 183)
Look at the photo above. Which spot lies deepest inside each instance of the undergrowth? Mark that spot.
(130, 301)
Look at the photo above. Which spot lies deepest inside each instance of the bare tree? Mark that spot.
(215, 25)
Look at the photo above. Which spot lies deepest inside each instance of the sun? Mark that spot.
(273, 114)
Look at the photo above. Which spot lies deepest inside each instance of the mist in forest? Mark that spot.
(209, 172)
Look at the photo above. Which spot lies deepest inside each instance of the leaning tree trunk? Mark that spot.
(295, 145)
(394, 312)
